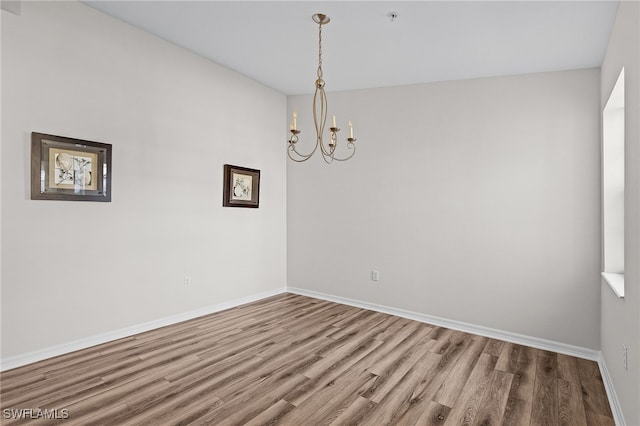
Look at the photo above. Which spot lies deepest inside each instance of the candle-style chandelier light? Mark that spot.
(320, 116)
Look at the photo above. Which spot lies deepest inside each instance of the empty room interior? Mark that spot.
(306, 213)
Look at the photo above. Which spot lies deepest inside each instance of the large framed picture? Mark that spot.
(69, 169)
(241, 187)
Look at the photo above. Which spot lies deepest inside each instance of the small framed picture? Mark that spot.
(69, 169)
(241, 187)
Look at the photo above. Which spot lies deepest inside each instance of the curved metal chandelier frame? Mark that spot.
(320, 116)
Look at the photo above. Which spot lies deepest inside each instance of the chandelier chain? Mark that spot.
(320, 51)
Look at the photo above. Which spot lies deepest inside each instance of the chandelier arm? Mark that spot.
(321, 102)
(304, 157)
(316, 124)
(292, 149)
(351, 146)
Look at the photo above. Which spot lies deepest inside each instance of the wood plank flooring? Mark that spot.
(294, 360)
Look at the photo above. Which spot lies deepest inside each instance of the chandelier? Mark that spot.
(320, 116)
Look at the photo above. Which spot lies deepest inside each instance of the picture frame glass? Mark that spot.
(75, 170)
(242, 186)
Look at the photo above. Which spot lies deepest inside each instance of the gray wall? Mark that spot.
(72, 270)
(621, 317)
(477, 200)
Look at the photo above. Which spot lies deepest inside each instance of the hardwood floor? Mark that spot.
(294, 360)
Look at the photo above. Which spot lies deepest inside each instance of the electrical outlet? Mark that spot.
(187, 281)
(625, 352)
(375, 275)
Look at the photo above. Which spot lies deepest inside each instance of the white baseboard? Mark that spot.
(521, 339)
(614, 402)
(39, 355)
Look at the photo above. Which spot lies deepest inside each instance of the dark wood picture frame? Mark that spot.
(69, 169)
(241, 187)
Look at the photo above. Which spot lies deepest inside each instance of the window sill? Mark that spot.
(616, 282)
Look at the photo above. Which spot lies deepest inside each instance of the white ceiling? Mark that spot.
(276, 42)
